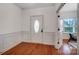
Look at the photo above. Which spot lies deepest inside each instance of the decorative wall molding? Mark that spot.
(9, 40)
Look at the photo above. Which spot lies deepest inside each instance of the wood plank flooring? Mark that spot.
(38, 49)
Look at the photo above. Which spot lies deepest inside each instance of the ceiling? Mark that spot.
(69, 7)
(33, 5)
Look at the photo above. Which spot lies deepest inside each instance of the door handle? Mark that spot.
(41, 30)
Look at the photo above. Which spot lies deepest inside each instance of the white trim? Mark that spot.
(39, 43)
(69, 32)
(13, 45)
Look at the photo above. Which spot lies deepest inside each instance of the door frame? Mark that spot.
(42, 25)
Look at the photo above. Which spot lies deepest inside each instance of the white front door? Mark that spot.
(37, 28)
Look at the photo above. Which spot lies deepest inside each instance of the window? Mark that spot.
(69, 25)
(36, 26)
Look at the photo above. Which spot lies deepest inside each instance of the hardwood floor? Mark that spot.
(39, 49)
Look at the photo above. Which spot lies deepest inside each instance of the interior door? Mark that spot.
(37, 28)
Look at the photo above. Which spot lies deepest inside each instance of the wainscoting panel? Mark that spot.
(1, 43)
(25, 36)
(9, 40)
(48, 37)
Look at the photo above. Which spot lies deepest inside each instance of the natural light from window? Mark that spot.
(36, 26)
(69, 25)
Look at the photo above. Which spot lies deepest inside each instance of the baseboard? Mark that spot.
(13, 45)
(39, 43)
(23, 42)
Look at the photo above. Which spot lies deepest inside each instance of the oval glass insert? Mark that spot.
(36, 26)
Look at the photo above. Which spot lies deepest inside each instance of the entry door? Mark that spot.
(37, 28)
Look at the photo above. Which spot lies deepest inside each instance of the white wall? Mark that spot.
(10, 18)
(15, 25)
(67, 14)
(49, 18)
(50, 22)
(10, 25)
(57, 6)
